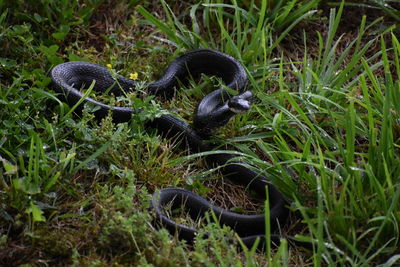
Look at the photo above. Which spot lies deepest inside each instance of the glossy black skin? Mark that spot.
(213, 111)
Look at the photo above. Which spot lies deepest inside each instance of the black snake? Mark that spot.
(214, 110)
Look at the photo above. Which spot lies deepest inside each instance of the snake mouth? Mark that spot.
(240, 106)
(241, 103)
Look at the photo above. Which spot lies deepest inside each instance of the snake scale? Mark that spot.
(213, 111)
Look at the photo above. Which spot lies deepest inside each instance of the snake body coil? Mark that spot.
(213, 111)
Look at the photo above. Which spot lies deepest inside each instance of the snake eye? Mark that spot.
(240, 103)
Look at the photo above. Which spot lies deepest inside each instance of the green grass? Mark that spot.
(390, 7)
(324, 127)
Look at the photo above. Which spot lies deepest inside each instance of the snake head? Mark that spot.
(240, 103)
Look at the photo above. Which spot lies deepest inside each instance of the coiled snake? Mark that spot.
(214, 110)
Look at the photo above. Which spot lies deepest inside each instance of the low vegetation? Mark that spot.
(324, 127)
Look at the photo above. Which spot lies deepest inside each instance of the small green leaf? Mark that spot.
(237, 209)
(73, 57)
(37, 213)
(39, 18)
(49, 51)
(62, 33)
(7, 63)
(10, 168)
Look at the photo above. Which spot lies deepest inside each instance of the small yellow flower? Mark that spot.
(109, 66)
(133, 76)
